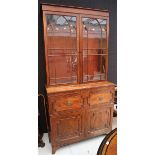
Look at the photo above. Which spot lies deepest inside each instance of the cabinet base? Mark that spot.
(57, 146)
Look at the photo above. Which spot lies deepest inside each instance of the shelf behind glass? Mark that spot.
(63, 80)
(95, 77)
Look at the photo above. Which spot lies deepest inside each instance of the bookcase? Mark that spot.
(80, 97)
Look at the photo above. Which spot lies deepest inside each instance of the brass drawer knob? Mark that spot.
(100, 98)
(68, 103)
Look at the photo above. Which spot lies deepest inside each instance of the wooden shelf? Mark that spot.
(54, 55)
(62, 49)
(95, 49)
(94, 54)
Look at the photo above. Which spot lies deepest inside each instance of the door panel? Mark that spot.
(94, 48)
(99, 120)
(62, 49)
(68, 127)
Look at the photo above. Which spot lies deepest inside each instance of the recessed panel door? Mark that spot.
(68, 127)
(99, 120)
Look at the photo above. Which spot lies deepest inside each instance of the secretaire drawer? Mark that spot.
(101, 96)
(65, 102)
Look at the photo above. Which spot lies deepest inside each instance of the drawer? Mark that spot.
(101, 96)
(66, 102)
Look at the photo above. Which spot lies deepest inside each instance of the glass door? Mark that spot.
(94, 48)
(61, 47)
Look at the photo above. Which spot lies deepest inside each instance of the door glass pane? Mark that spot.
(94, 49)
(62, 49)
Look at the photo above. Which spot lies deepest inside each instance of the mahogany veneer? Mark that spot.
(80, 99)
(80, 112)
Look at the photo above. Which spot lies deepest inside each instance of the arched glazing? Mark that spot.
(62, 48)
(94, 49)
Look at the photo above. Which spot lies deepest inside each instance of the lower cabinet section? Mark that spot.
(79, 115)
(70, 127)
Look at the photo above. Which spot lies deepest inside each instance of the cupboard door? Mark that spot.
(94, 48)
(61, 48)
(68, 127)
(99, 120)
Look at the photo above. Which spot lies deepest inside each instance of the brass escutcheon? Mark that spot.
(100, 98)
(68, 103)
